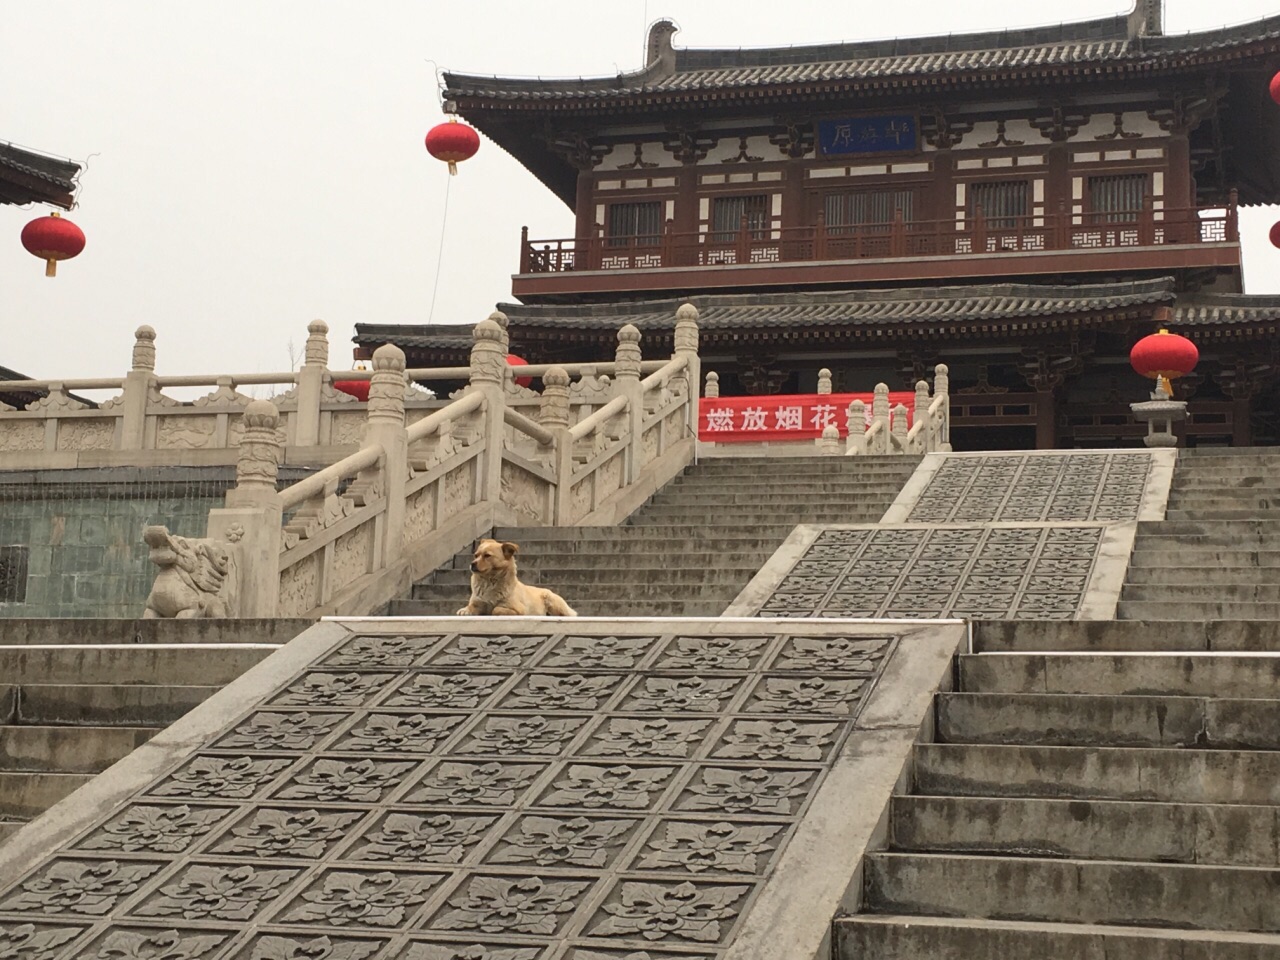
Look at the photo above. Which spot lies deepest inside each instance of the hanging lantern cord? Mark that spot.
(444, 217)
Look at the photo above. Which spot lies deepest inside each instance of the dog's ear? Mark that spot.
(509, 550)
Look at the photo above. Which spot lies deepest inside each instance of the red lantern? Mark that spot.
(1275, 234)
(452, 142)
(1275, 88)
(52, 239)
(355, 388)
(514, 361)
(1164, 356)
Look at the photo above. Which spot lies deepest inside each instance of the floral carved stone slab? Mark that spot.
(448, 795)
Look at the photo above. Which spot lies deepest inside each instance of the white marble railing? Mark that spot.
(355, 534)
(889, 431)
(142, 417)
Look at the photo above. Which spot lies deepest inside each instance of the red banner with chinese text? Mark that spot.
(800, 416)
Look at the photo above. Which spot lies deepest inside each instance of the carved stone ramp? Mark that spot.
(1027, 536)
(76, 695)
(495, 789)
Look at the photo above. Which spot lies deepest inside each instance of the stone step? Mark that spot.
(109, 704)
(1077, 891)
(734, 536)
(755, 519)
(1208, 592)
(9, 827)
(1229, 483)
(621, 607)
(1144, 610)
(621, 575)
(1196, 675)
(1221, 501)
(911, 937)
(1169, 775)
(1194, 576)
(68, 749)
(1200, 513)
(783, 492)
(205, 664)
(101, 631)
(1103, 636)
(1089, 720)
(556, 550)
(1266, 531)
(1161, 552)
(26, 795)
(1225, 834)
(659, 559)
(632, 593)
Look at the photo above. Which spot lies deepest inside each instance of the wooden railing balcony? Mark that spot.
(753, 255)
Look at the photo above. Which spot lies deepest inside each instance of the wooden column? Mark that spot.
(1046, 420)
(584, 208)
(1058, 201)
(686, 218)
(794, 214)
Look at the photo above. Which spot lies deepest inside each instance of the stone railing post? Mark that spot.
(306, 432)
(488, 368)
(855, 419)
(712, 390)
(385, 427)
(138, 383)
(920, 415)
(554, 415)
(829, 443)
(880, 415)
(824, 381)
(899, 430)
(251, 519)
(627, 378)
(942, 388)
(686, 345)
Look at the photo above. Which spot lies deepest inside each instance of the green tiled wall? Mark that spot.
(85, 556)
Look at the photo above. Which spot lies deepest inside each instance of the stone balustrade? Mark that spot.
(357, 533)
(55, 430)
(886, 431)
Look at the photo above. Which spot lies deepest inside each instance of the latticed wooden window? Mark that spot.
(1117, 199)
(873, 209)
(13, 574)
(634, 223)
(1003, 202)
(727, 214)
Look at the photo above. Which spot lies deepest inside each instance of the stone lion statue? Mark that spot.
(196, 579)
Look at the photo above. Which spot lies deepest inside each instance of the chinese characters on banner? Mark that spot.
(858, 135)
(782, 417)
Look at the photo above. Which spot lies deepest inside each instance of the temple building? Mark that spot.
(1021, 205)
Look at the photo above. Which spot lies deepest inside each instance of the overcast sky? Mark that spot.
(255, 165)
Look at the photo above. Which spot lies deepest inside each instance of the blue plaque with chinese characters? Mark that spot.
(862, 135)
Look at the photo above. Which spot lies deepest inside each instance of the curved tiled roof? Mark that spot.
(1225, 309)
(888, 308)
(27, 177)
(1096, 42)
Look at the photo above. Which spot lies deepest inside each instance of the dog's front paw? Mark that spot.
(464, 612)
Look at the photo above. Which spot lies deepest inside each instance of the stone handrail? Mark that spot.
(357, 533)
(60, 429)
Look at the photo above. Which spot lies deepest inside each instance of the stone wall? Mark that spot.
(70, 540)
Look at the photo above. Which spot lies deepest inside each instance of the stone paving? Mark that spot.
(454, 791)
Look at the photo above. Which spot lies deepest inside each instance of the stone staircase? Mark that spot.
(1084, 807)
(693, 547)
(78, 695)
(1216, 555)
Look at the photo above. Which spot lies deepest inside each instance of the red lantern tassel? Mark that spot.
(51, 268)
(453, 169)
